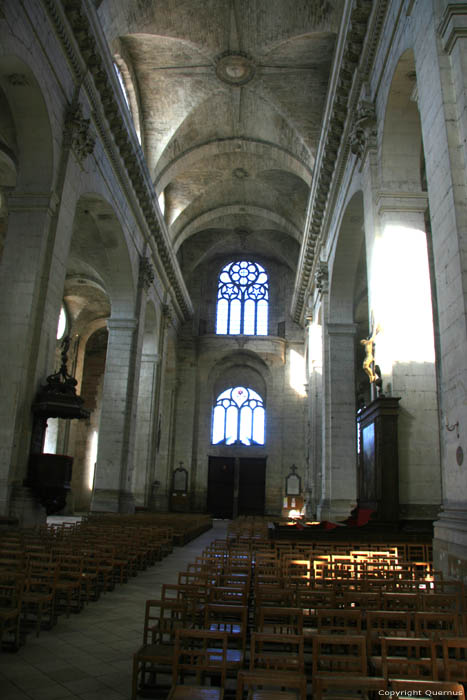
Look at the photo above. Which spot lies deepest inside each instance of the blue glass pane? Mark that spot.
(262, 318)
(218, 425)
(222, 313)
(235, 313)
(245, 425)
(258, 425)
(249, 317)
(231, 428)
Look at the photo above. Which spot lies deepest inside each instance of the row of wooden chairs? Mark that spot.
(279, 633)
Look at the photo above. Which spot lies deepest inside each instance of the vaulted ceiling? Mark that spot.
(230, 96)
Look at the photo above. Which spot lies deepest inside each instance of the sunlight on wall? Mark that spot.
(315, 346)
(401, 297)
(51, 436)
(297, 373)
(161, 201)
(92, 459)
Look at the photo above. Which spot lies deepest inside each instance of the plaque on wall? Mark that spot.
(293, 483)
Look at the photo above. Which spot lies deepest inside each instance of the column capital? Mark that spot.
(122, 324)
(32, 201)
(390, 201)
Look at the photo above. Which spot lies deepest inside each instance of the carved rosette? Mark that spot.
(78, 133)
(146, 272)
(363, 132)
(322, 278)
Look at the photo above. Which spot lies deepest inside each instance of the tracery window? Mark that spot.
(238, 417)
(242, 299)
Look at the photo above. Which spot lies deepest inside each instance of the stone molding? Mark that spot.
(416, 202)
(341, 328)
(122, 324)
(151, 358)
(77, 132)
(358, 52)
(122, 152)
(453, 25)
(32, 201)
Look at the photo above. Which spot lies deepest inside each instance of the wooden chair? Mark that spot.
(161, 621)
(280, 658)
(69, 583)
(199, 654)
(440, 602)
(408, 657)
(427, 690)
(454, 667)
(384, 623)
(338, 655)
(232, 619)
(11, 591)
(39, 594)
(365, 600)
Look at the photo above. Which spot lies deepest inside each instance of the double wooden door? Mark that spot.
(236, 486)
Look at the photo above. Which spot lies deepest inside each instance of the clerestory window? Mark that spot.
(238, 417)
(242, 299)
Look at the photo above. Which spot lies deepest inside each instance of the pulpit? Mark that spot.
(378, 458)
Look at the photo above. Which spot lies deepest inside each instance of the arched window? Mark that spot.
(238, 417)
(242, 299)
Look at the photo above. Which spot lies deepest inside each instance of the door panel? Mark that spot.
(251, 486)
(221, 478)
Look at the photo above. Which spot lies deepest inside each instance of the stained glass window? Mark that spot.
(238, 417)
(242, 299)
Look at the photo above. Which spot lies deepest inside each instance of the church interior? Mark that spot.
(233, 273)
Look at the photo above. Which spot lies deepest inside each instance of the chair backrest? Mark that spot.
(436, 624)
(232, 619)
(455, 659)
(388, 623)
(339, 621)
(336, 653)
(279, 652)
(279, 620)
(408, 657)
(200, 653)
(162, 619)
(393, 600)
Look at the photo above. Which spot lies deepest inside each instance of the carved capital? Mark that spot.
(78, 134)
(363, 131)
(322, 277)
(146, 272)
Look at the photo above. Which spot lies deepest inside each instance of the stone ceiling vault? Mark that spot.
(231, 96)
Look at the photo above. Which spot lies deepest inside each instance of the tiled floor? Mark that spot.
(89, 655)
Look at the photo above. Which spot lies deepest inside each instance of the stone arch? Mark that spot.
(402, 148)
(243, 368)
(33, 142)
(345, 261)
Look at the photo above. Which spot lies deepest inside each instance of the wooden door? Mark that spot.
(221, 480)
(251, 486)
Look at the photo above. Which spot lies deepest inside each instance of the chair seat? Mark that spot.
(272, 695)
(195, 692)
(153, 652)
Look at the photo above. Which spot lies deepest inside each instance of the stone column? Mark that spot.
(339, 491)
(441, 62)
(147, 418)
(23, 281)
(112, 490)
(315, 423)
(400, 300)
